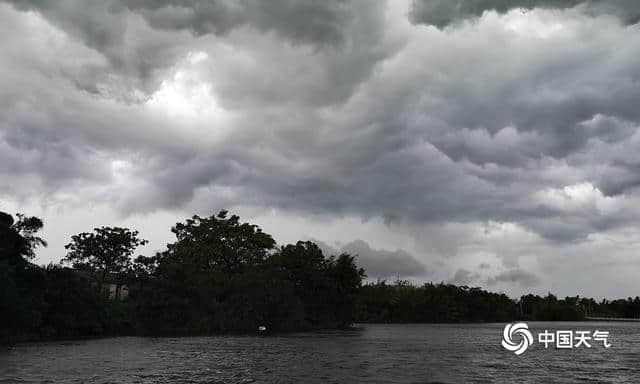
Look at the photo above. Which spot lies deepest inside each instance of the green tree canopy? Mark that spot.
(105, 251)
(220, 243)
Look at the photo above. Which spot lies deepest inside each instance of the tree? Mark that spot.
(18, 239)
(20, 281)
(326, 286)
(27, 227)
(220, 243)
(212, 278)
(104, 252)
(347, 279)
(11, 243)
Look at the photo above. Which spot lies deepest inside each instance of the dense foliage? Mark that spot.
(42, 303)
(222, 275)
(403, 302)
(107, 251)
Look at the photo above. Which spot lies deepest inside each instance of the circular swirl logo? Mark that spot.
(511, 332)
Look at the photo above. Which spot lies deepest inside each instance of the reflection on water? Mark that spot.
(371, 353)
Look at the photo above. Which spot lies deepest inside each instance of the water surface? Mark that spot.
(371, 353)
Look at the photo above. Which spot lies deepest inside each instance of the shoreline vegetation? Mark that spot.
(223, 276)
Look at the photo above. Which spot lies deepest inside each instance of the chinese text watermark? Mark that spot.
(517, 338)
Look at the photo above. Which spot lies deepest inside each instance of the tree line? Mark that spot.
(403, 302)
(223, 275)
(219, 275)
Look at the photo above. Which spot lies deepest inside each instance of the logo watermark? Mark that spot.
(517, 330)
(517, 338)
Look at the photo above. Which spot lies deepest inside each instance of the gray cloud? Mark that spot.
(517, 276)
(441, 13)
(360, 130)
(464, 277)
(300, 21)
(379, 263)
(141, 40)
(103, 25)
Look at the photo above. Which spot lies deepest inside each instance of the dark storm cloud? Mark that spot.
(379, 263)
(142, 55)
(103, 24)
(441, 13)
(315, 22)
(328, 108)
(515, 276)
(142, 40)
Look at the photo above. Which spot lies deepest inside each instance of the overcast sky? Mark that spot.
(492, 143)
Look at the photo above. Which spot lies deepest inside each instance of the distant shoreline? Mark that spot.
(354, 327)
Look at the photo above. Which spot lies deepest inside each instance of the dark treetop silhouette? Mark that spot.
(106, 251)
(222, 275)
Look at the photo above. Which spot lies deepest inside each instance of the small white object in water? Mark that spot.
(262, 328)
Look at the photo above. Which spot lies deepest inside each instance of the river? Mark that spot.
(371, 353)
